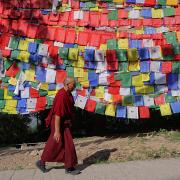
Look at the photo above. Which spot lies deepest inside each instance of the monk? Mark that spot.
(60, 146)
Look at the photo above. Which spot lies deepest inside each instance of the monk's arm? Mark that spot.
(57, 134)
(57, 123)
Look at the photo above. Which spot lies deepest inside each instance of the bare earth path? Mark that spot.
(95, 150)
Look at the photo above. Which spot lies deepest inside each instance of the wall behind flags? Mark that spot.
(124, 54)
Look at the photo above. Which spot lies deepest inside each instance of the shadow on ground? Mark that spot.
(96, 158)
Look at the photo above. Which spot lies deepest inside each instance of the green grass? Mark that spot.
(158, 133)
(175, 136)
(160, 153)
(19, 168)
(99, 161)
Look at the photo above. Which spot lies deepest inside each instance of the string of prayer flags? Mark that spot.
(124, 55)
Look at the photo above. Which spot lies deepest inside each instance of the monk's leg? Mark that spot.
(70, 152)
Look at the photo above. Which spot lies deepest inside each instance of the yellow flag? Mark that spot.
(85, 84)
(132, 54)
(13, 81)
(139, 31)
(23, 45)
(50, 93)
(10, 110)
(123, 43)
(84, 78)
(145, 77)
(118, 1)
(11, 103)
(79, 62)
(29, 40)
(165, 109)
(94, 9)
(103, 47)
(6, 96)
(157, 13)
(110, 110)
(171, 2)
(99, 92)
(81, 48)
(4, 110)
(13, 111)
(134, 66)
(73, 54)
(29, 75)
(80, 58)
(145, 89)
(44, 86)
(137, 80)
(148, 89)
(78, 29)
(178, 36)
(137, 8)
(24, 56)
(139, 90)
(78, 72)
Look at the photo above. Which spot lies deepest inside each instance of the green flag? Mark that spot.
(161, 2)
(127, 100)
(176, 67)
(125, 78)
(13, 44)
(43, 92)
(170, 37)
(100, 108)
(14, 54)
(169, 98)
(176, 48)
(169, 11)
(2, 104)
(113, 15)
(111, 44)
(121, 54)
(123, 66)
(70, 71)
(63, 53)
(1, 93)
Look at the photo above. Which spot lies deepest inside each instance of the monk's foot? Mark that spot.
(41, 166)
(72, 171)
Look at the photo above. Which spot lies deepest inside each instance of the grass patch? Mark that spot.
(99, 161)
(161, 132)
(162, 152)
(19, 168)
(175, 136)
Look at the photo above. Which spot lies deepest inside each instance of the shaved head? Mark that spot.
(69, 83)
(69, 80)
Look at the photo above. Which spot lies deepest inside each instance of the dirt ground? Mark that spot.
(163, 144)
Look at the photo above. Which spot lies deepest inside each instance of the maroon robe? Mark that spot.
(64, 150)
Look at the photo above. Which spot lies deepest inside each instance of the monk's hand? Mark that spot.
(57, 136)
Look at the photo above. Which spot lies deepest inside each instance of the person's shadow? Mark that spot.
(98, 157)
